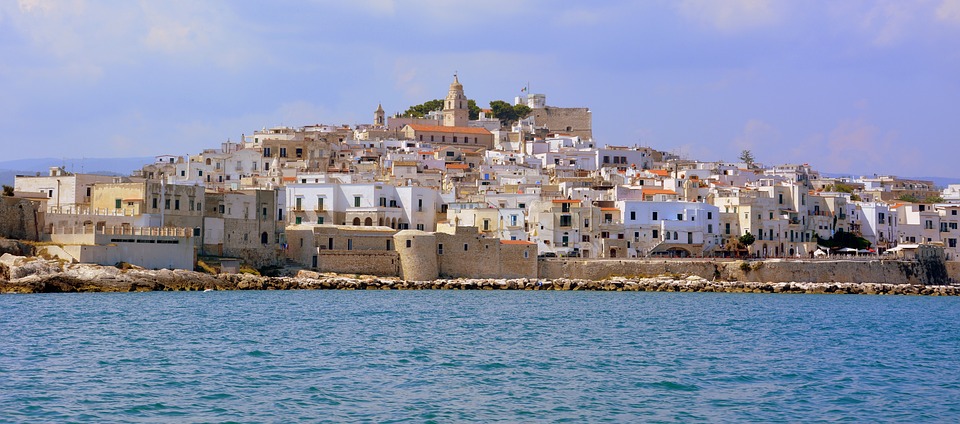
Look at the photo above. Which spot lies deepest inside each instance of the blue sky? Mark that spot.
(853, 86)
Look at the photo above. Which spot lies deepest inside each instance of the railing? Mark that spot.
(125, 230)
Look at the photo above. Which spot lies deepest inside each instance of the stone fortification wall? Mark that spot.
(380, 263)
(418, 253)
(881, 272)
(953, 270)
(578, 119)
(20, 219)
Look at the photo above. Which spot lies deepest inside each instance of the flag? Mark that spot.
(523, 89)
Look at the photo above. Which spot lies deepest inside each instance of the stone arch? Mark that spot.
(380, 221)
(368, 222)
(356, 221)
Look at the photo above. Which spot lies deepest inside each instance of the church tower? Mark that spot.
(378, 116)
(455, 110)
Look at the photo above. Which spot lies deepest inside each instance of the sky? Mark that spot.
(858, 87)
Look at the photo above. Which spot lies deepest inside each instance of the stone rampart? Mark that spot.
(855, 271)
(380, 263)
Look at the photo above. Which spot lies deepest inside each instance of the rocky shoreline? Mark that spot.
(20, 274)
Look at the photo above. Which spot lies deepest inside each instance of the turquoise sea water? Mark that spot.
(453, 356)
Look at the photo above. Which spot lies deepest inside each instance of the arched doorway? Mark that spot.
(263, 237)
(613, 252)
(356, 221)
(368, 222)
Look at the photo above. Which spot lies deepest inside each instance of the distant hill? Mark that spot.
(104, 166)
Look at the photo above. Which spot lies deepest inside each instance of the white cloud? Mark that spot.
(888, 22)
(756, 134)
(857, 145)
(732, 15)
(104, 33)
(949, 11)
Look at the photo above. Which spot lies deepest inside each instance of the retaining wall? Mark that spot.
(882, 272)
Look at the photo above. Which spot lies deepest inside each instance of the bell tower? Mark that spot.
(378, 116)
(456, 113)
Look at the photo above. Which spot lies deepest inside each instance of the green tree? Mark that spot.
(843, 239)
(507, 113)
(421, 110)
(747, 239)
(933, 199)
(474, 110)
(522, 111)
(7, 190)
(746, 157)
(909, 198)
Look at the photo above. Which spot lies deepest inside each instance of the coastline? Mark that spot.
(20, 274)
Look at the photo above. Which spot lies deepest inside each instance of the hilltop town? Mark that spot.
(467, 192)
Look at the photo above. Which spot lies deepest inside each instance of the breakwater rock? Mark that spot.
(20, 274)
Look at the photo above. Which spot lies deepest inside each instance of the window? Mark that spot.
(349, 244)
(283, 152)
(604, 234)
(299, 153)
(389, 244)
(679, 217)
(420, 227)
(409, 243)
(266, 152)
(439, 248)
(666, 234)
(524, 206)
(154, 202)
(419, 205)
(709, 215)
(166, 204)
(176, 204)
(319, 220)
(565, 220)
(88, 194)
(881, 217)
(117, 204)
(608, 218)
(486, 225)
(298, 220)
(952, 242)
(319, 203)
(356, 201)
(183, 173)
(654, 215)
(585, 238)
(466, 247)
(564, 207)
(710, 228)
(727, 228)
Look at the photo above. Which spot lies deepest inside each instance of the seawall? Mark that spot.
(762, 271)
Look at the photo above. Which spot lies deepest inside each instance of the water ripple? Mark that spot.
(477, 357)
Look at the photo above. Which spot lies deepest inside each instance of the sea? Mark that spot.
(477, 356)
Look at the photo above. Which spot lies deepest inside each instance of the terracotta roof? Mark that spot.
(451, 130)
(565, 201)
(523, 242)
(289, 178)
(609, 209)
(458, 166)
(405, 163)
(660, 172)
(652, 191)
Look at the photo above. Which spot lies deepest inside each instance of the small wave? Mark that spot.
(670, 385)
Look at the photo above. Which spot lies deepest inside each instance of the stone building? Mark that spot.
(576, 121)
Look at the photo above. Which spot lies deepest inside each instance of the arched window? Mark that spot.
(263, 237)
(356, 221)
